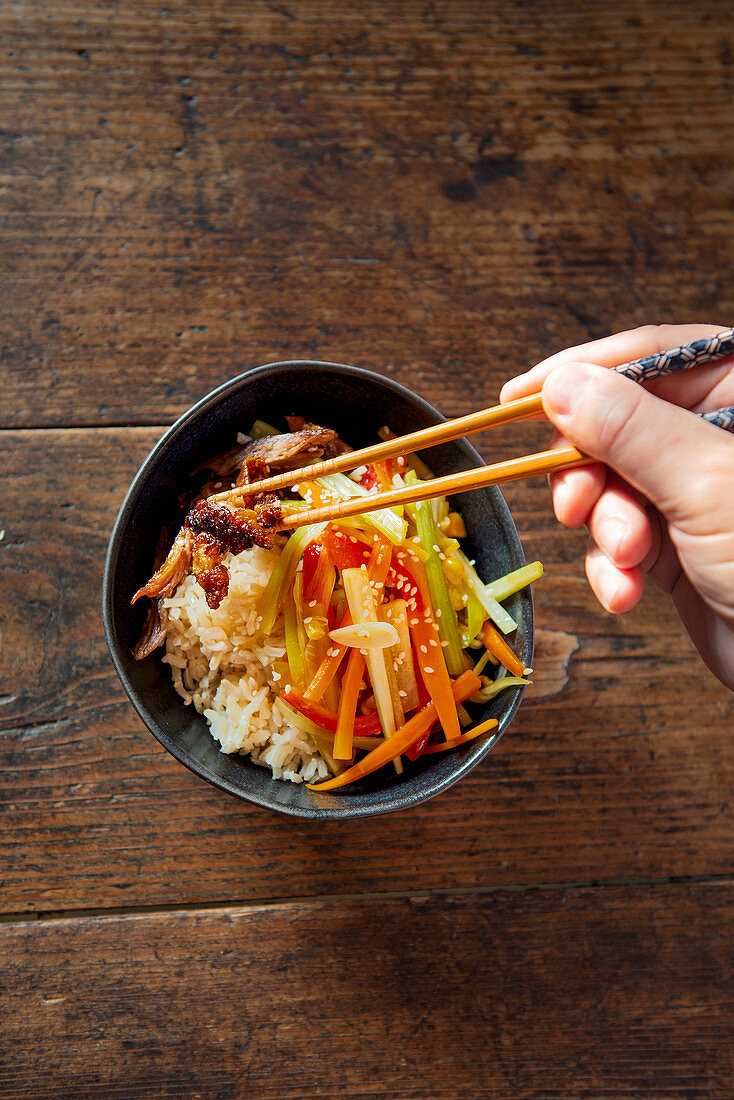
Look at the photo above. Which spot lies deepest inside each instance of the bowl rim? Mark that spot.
(404, 799)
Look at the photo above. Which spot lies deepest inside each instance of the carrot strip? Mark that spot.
(348, 706)
(456, 742)
(402, 739)
(497, 645)
(328, 668)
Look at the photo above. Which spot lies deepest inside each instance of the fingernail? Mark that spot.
(612, 533)
(609, 587)
(560, 498)
(563, 388)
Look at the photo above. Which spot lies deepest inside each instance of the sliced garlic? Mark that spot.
(366, 635)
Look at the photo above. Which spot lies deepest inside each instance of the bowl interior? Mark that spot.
(357, 403)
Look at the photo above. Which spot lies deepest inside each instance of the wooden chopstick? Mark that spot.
(521, 409)
(543, 462)
(705, 350)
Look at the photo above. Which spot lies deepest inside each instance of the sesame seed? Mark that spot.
(363, 566)
(423, 649)
(436, 548)
(444, 644)
(427, 669)
(308, 620)
(438, 613)
(312, 603)
(442, 556)
(352, 539)
(403, 694)
(433, 642)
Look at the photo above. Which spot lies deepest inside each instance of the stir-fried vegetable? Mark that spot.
(383, 615)
(402, 740)
(448, 624)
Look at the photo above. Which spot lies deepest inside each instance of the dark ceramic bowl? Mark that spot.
(356, 403)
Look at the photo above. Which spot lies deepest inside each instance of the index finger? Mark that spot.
(610, 351)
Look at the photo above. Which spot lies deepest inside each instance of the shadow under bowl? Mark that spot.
(356, 403)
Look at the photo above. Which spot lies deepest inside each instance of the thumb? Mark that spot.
(680, 463)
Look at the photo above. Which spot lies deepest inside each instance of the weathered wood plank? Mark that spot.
(444, 193)
(622, 767)
(575, 993)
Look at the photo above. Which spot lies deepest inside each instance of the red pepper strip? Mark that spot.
(456, 742)
(393, 747)
(346, 721)
(311, 559)
(497, 645)
(368, 726)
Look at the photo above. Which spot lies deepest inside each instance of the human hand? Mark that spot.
(663, 503)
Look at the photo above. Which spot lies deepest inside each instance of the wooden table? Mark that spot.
(444, 193)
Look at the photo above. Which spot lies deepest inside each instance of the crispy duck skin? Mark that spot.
(234, 529)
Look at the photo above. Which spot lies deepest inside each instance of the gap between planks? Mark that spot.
(242, 904)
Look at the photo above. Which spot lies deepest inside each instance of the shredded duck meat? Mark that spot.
(214, 528)
(286, 452)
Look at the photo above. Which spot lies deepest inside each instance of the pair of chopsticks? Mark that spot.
(692, 355)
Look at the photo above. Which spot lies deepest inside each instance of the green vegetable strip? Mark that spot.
(513, 582)
(385, 521)
(448, 624)
(273, 596)
(496, 612)
(294, 652)
(489, 692)
(261, 428)
(475, 615)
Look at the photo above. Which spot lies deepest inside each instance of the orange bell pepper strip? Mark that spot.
(348, 707)
(393, 747)
(497, 645)
(457, 742)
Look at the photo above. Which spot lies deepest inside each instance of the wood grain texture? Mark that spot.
(622, 768)
(441, 192)
(553, 994)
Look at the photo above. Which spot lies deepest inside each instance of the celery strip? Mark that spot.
(293, 647)
(385, 520)
(274, 593)
(489, 692)
(501, 618)
(513, 582)
(443, 608)
(261, 428)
